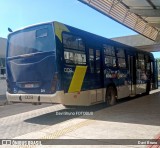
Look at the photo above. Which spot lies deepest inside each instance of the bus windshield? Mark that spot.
(31, 40)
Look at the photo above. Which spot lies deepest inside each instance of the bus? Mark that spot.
(56, 63)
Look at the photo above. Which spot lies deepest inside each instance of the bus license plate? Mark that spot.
(29, 97)
(29, 85)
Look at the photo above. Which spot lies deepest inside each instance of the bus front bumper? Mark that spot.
(32, 98)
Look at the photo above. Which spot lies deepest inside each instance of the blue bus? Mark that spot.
(56, 63)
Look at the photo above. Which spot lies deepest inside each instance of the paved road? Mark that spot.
(17, 108)
(13, 118)
(135, 119)
(19, 119)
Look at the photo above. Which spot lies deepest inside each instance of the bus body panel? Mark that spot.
(31, 61)
(33, 76)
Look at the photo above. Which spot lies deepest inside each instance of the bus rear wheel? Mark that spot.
(111, 96)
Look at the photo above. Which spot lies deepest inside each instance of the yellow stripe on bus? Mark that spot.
(59, 28)
(77, 79)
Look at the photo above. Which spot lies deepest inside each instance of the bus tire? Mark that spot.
(69, 106)
(147, 88)
(111, 96)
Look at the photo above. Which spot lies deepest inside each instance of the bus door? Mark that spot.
(141, 77)
(156, 74)
(132, 75)
(95, 72)
(153, 75)
(149, 71)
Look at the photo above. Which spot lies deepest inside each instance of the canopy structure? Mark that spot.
(142, 16)
(139, 42)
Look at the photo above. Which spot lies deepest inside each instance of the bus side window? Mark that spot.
(98, 64)
(74, 49)
(80, 58)
(141, 72)
(109, 56)
(121, 58)
(91, 60)
(140, 63)
(69, 57)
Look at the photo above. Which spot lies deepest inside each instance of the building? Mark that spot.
(3, 43)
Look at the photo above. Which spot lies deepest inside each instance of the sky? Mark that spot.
(17, 14)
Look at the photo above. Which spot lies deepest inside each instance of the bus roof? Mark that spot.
(115, 42)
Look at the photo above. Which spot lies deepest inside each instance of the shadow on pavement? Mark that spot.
(64, 114)
(134, 111)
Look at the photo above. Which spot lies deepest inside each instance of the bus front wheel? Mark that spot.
(111, 96)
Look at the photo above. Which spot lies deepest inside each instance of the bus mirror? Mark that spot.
(9, 29)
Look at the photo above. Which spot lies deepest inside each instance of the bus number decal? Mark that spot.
(69, 70)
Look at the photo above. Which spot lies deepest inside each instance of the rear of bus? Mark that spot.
(31, 64)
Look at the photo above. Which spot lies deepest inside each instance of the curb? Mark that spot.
(2, 103)
(5, 102)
